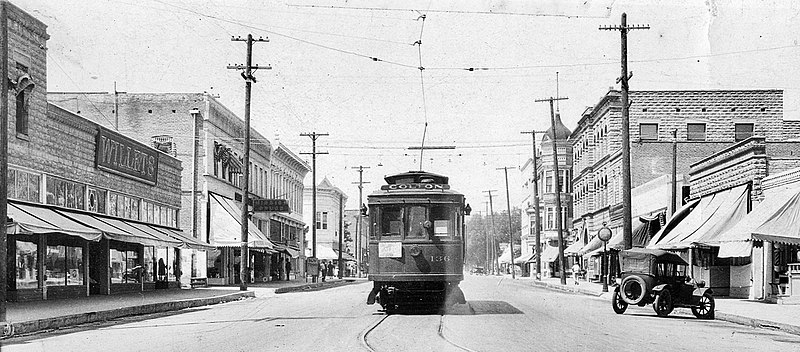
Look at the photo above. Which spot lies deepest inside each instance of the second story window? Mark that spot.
(648, 131)
(743, 131)
(322, 220)
(696, 131)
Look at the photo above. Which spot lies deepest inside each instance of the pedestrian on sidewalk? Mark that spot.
(576, 270)
(288, 268)
(323, 270)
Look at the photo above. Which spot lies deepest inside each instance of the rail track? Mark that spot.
(440, 332)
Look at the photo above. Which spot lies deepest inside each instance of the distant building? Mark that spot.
(547, 197)
(330, 203)
(705, 121)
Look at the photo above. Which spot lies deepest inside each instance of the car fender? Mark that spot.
(700, 291)
(659, 288)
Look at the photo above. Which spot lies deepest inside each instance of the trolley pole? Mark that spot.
(495, 259)
(359, 240)
(623, 28)
(510, 232)
(537, 215)
(559, 226)
(249, 79)
(314, 152)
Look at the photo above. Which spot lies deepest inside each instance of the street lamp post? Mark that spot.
(604, 234)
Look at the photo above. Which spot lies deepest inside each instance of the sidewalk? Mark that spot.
(740, 311)
(29, 317)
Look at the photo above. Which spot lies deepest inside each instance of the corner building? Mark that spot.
(208, 138)
(91, 211)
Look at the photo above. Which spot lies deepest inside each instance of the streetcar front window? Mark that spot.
(443, 219)
(416, 222)
(391, 221)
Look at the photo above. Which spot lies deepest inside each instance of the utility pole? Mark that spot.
(359, 240)
(673, 205)
(341, 233)
(510, 232)
(116, 107)
(623, 28)
(495, 259)
(557, 177)
(486, 232)
(314, 136)
(3, 161)
(249, 79)
(537, 252)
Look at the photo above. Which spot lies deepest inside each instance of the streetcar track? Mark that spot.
(440, 332)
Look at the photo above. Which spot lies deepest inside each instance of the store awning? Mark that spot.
(323, 252)
(574, 248)
(710, 219)
(615, 242)
(293, 252)
(187, 241)
(226, 225)
(28, 220)
(549, 254)
(675, 220)
(525, 258)
(775, 219)
(735, 249)
(505, 257)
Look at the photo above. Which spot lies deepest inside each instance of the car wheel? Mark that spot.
(633, 289)
(705, 308)
(617, 303)
(663, 303)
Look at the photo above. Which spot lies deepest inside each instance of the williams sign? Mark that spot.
(123, 156)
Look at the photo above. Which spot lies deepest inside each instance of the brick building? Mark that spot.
(208, 138)
(705, 122)
(91, 211)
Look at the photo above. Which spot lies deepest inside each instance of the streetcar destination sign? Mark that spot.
(422, 186)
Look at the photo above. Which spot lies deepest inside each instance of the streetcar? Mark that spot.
(416, 242)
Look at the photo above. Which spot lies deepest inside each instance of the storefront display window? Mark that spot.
(166, 264)
(149, 264)
(125, 267)
(214, 263)
(27, 264)
(64, 266)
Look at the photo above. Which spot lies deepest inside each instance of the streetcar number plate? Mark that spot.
(390, 250)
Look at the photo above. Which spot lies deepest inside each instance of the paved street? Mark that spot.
(503, 314)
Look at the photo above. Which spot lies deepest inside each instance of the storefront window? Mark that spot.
(27, 265)
(149, 264)
(112, 204)
(214, 263)
(117, 266)
(166, 261)
(64, 266)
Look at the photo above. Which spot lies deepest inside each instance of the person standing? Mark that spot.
(323, 270)
(576, 270)
(288, 268)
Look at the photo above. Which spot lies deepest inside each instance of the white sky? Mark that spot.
(373, 111)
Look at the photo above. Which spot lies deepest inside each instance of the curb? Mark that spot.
(27, 327)
(315, 286)
(576, 289)
(727, 317)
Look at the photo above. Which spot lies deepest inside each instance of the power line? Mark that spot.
(460, 12)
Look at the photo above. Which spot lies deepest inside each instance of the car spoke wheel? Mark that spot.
(705, 308)
(633, 289)
(663, 303)
(617, 303)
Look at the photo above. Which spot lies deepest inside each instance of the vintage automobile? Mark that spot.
(659, 277)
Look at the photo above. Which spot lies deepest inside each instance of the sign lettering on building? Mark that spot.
(270, 205)
(121, 155)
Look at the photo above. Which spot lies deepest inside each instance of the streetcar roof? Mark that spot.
(416, 177)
